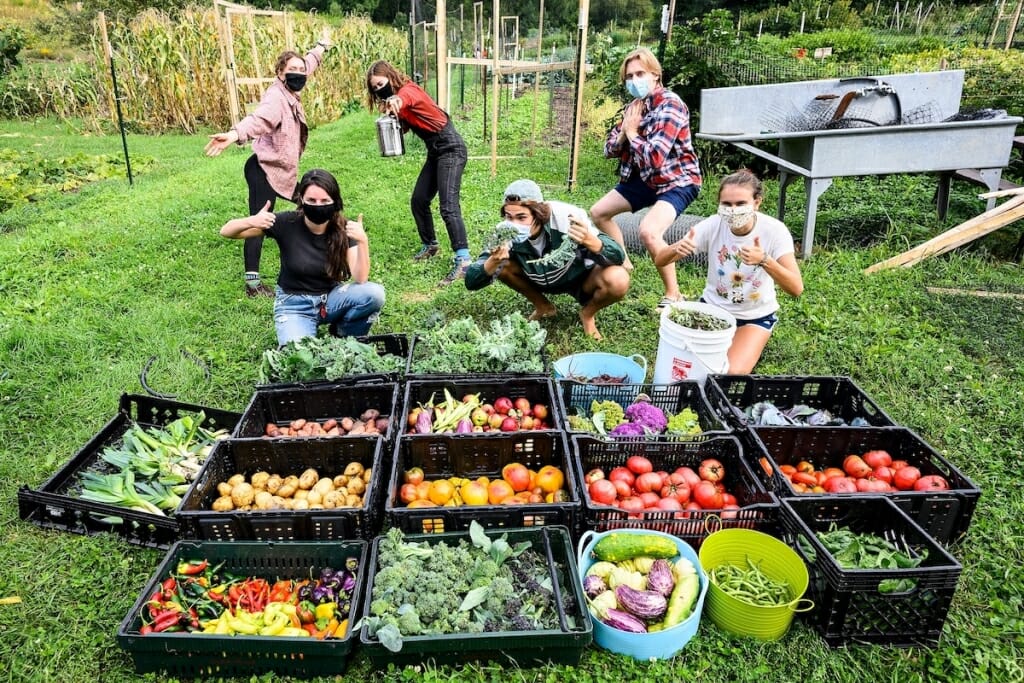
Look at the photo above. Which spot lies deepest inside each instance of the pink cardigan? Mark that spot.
(278, 130)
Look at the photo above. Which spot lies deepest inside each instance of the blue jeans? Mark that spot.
(441, 176)
(353, 306)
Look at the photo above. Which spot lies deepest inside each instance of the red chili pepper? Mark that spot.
(145, 630)
(192, 567)
(166, 620)
(281, 592)
(193, 618)
(169, 584)
(235, 594)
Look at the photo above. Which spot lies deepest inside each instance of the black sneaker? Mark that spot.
(458, 271)
(258, 291)
(425, 252)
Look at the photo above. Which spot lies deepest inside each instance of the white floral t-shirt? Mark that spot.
(748, 292)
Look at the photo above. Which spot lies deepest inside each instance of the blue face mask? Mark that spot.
(638, 87)
(524, 233)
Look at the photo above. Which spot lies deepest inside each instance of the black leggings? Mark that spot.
(260, 192)
(441, 176)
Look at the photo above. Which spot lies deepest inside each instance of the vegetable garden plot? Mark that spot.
(285, 457)
(56, 504)
(187, 654)
(763, 400)
(757, 507)
(901, 600)
(469, 457)
(945, 514)
(557, 599)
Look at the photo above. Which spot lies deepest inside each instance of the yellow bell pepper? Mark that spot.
(325, 610)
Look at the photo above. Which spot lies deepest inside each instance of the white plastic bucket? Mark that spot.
(688, 354)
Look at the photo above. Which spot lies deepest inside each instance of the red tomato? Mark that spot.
(407, 493)
(871, 485)
(691, 509)
(906, 477)
(623, 489)
(691, 477)
(593, 475)
(884, 473)
(648, 481)
(602, 492)
(840, 485)
(622, 473)
(931, 482)
(711, 470)
(669, 504)
(632, 504)
(638, 464)
(729, 499)
(664, 476)
(730, 511)
(855, 466)
(707, 496)
(650, 499)
(830, 472)
(676, 489)
(899, 464)
(877, 458)
(502, 405)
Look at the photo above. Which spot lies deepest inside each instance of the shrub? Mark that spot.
(12, 39)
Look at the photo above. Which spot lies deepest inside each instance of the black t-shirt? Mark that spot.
(303, 256)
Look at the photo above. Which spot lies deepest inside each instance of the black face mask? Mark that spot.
(295, 82)
(384, 91)
(318, 213)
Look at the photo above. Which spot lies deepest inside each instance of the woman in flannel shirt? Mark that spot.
(657, 164)
(390, 91)
(278, 133)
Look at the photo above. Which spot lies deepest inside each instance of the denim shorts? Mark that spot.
(640, 195)
(768, 322)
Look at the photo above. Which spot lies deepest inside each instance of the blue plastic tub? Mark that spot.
(645, 646)
(594, 363)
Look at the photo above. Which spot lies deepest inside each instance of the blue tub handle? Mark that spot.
(640, 360)
(585, 539)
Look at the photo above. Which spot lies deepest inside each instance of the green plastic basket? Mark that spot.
(776, 559)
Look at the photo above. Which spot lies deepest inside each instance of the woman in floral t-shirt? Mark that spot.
(748, 254)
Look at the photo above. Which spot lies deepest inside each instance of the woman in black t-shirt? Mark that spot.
(325, 262)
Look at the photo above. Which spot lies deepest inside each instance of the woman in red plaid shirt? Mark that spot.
(657, 164)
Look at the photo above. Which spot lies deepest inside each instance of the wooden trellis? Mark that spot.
(226, 12)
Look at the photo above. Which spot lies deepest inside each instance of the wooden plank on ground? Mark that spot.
(974, 292)
(970, 230)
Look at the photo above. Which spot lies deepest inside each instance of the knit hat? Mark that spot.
(525, 190)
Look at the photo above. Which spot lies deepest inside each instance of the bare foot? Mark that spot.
(628, 265)
(590, 326)
(548, 311)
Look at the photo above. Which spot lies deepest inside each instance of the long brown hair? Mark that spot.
(284, 58)
(382, 68)
(337, 237)
(540, 211)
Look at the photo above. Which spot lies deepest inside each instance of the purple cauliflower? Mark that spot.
(628, 429)
(647, 415)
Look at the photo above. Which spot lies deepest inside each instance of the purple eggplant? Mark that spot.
(643, 604)
(660, 579)
(424, 423)
(465, 426)
(624, 621)
(594, 585)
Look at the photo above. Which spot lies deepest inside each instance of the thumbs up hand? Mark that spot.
(753, 255)
(355, 230)
(264, 219)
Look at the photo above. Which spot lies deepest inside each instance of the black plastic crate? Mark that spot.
(490, 387)
(519, 648)
(759, 507)
(946, 515)
(730, 395)
(282, 405)
(285, 457)
(54, 504)
(186, 654)
(849, 604)
(497, 374)
(393, 344)
(471, 456)
(575, 398)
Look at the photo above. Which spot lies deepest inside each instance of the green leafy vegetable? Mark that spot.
(325, 358)
(508, 344)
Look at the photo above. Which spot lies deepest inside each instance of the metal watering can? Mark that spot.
(389, 136)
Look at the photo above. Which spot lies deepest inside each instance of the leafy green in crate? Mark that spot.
(325, 358)
(508, 344)
(867, 551)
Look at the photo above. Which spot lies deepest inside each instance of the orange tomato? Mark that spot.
(498, 491)
(517, 476)
(474, 493)
(407, 493)
(550, 478)
(819, 477)
(423, 490)
(441, 491)
(422, 503)
(766, 466)
(804, 466)
(833, 472)
(788, 470)
(559, 496)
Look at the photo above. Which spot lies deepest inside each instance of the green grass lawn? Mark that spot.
(95, 282)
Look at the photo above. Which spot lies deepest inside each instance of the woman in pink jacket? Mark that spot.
(278, 133)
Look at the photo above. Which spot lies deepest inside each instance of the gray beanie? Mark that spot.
(525, 190)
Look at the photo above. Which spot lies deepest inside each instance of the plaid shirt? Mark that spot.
(278, 130)
(662, 151)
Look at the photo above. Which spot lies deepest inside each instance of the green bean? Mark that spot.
(750, 585)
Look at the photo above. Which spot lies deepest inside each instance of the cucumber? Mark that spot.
(617, 547)
(684, 595)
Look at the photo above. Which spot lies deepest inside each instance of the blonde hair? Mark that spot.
(647, 60)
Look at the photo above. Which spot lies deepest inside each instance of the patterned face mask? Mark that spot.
(736, 216)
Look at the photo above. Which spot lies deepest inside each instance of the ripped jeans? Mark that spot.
(354, 307)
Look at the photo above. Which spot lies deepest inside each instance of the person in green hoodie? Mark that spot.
(556, 250)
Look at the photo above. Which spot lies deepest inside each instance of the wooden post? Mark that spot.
(671, 18)
(581, 77)
(232, 74)
(251, 24)
(536, 80)
(441, 26)
(101, 19)
(495, 85)
(995, 23)
(1011, 31)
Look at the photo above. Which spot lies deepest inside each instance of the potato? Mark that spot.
(292, 479)
(274, 483)
(236, 479)
(324, 485)
(358, 427)
(316, 506)
(382, 424)
(346, 423)
(369, 415)
(353, 501)
(300, 505)
(288, 503)
(242, 494)
(277, 503)
(300, 494)
(355, 485)
(245, 508)
(287, 491)
(367, 475)
(308, 479)
(262, 500)
(340, 481)
(223, 504)
(224, 489)
(314, 497)
(259, 480)
(334, 499)
(354, 469)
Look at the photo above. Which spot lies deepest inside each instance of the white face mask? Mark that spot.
(736, 216)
